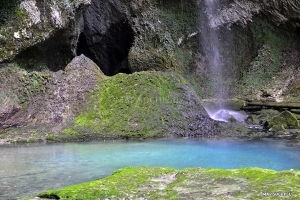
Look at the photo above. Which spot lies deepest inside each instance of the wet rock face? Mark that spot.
(106, 36)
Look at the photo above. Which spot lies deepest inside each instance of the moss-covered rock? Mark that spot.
(142, 105)
(294, 89)
(150, 59)
(165, 37)
(285, 119)
(166, 183)
(263, 115)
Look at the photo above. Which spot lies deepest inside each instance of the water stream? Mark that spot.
(28, 170)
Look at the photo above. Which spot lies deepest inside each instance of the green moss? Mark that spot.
(271, 43)
(263, 115)
(285, 119)
(295, 89)
(20, 13)
(167, 183)
(7, 9)
(130, 106)
(69, 131)
(149, 59)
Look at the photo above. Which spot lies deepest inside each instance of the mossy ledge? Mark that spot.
(191, 183)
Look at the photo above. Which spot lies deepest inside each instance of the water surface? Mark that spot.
(28, 170)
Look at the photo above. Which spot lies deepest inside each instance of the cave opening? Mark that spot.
(110, 50)
(53, 54)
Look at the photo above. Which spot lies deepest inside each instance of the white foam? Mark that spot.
(226, 115)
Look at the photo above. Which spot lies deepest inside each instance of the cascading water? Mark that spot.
(211, 48)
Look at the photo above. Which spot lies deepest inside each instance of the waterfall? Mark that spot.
(211, 47)
(210, 40)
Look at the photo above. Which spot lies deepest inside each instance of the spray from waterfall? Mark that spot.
(211, 45)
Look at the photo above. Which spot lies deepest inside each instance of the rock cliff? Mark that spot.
(281, 12)
(34, 23)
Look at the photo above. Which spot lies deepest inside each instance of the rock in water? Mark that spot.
(285, 119)
(222, 115)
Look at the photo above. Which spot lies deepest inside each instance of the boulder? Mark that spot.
(142, 105)
(59, 98)
(285, 119)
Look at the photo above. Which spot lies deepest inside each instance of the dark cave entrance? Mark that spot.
(110, 50)
(53, 54)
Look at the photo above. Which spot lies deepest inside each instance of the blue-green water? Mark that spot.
(28, 170)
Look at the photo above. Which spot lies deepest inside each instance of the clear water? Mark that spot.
(28, 170)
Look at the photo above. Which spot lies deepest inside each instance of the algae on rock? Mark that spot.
(168, 183)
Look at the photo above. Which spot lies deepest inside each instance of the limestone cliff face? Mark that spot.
(281, 12)
(34, 21)
(139, 35)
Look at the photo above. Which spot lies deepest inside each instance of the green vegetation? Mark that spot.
(7, 9)
(295, 89)
(25, 85)
(129, 106)
(271, 42)
(167, 183)
(156, 47)
(285, 119)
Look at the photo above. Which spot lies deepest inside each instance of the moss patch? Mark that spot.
(129, 106)
(286, 119)
(167, 183)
